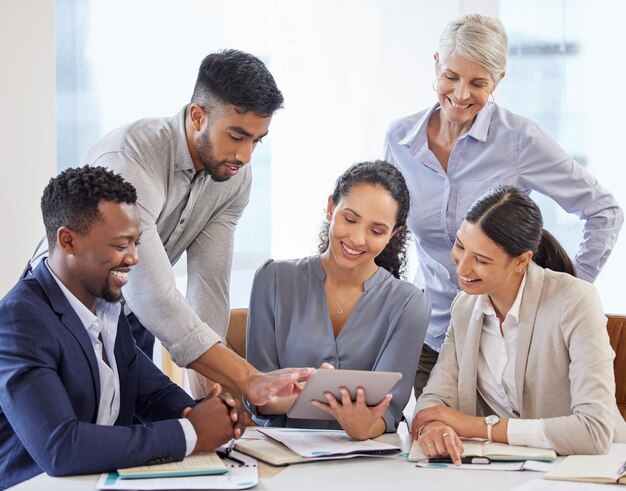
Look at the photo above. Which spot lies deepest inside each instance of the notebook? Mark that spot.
(198, 464)
(590, 468)
(492, 450)
(285, 446)
(239, 476)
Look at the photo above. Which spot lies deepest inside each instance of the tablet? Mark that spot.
(376, 385)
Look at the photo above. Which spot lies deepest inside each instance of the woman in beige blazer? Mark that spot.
(526, 359)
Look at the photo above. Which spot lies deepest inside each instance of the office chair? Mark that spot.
(616, 327)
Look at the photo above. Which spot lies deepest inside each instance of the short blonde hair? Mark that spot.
(478, 38)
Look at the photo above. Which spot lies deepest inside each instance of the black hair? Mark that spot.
(237, 78)
(513, 221)
(378, 173)
(71, 199)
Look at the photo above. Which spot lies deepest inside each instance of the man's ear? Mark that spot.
(330, 208)
(66, 240)
(197, 116)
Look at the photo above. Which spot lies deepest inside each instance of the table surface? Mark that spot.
(364, 474)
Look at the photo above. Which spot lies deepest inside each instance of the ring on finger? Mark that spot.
(430, 445)
(445, 435)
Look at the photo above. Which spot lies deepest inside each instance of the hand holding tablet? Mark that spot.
(375, 384)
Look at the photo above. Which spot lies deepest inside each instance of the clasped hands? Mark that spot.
(216, 419)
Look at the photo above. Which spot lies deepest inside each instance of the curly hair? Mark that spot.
(71, 199)
(237, 78)
(378, 173)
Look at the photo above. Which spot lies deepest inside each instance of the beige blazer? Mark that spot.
(563, 368)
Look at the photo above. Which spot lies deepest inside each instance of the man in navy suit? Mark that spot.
(71, 376)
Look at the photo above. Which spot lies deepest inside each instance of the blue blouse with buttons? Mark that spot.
(289, 326)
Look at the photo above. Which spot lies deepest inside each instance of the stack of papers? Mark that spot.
(293, 446)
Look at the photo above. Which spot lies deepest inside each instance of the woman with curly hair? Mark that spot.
(345, 307)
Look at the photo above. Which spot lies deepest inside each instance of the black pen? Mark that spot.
(464, 460)
(223, 455)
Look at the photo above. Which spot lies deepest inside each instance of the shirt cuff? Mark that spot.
(190, 435)
(527, 432)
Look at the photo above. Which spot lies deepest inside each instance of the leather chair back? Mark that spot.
(616, 327)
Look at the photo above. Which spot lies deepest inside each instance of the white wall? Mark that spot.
(27, 127)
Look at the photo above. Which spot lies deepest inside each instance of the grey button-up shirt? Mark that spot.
(181, 210)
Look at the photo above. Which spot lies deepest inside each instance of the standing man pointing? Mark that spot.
(193, 183)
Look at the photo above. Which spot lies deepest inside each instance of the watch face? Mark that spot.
(492, 420)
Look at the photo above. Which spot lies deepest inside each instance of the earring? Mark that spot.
(492, 99)
(435, 84)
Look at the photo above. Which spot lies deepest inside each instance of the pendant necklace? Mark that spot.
(339, 306)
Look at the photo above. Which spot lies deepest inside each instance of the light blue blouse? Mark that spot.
(500, 148)
(289, 326)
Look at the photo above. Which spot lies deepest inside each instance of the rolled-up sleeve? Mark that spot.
(151, 292)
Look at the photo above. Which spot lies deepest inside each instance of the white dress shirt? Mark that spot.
(104, 323)
(496, 371)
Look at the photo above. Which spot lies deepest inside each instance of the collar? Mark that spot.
(182, 160)
(90, 321)
(484, 306)
(376, 279)
(417, 137)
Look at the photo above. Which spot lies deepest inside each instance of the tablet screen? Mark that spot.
(376, 385)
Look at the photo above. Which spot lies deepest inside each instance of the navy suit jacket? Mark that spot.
(50, 388)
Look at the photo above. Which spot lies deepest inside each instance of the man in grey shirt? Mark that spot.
(193, 184)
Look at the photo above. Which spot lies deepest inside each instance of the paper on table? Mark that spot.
(539, 466)
(527, 465)
(494, 466)
(317, 443)
(238, 477)
(542, 485)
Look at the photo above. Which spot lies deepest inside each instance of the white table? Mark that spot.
(363, 474)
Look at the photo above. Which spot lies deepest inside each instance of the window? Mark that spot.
(346, 69)
(563, 63)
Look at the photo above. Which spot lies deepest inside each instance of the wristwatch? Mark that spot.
(491, 421)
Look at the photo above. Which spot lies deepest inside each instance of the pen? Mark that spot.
(222, 455)
(464, 460)
(226, 453)
(622, 469)
(229, 448)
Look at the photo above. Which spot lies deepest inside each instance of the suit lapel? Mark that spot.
(526, 326)
(468, 362)
(70, 320)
